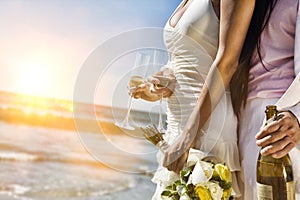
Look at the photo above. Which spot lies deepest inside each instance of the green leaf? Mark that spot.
(166, 193)
(184, 174)
(169, 187)
(215, 177)
(225, 185)
(178, 182)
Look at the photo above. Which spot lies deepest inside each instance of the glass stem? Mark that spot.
(126, 120)
(160, 124)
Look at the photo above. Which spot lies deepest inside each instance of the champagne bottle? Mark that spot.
(274, 176)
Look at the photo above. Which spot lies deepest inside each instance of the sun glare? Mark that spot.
(34, 79)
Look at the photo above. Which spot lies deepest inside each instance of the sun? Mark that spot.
(34, 78)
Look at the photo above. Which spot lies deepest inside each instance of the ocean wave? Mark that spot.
(18, 156)
(58, 158)
(68, 192)
(117, 188)
(23, 192)
(13, 190)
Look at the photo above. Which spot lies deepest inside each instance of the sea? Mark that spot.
(40, 161)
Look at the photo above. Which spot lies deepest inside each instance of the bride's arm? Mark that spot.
(235, 17)
(234, 22)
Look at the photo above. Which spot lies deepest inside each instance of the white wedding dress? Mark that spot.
(193, 43)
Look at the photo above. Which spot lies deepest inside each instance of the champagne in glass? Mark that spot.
(141, 60)
(134, 82)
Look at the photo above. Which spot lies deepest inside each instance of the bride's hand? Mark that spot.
(175, 156)
(149, 90)
(144, 91)
(167, 76)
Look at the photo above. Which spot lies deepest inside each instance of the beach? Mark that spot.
(45, 162)
(42, 163)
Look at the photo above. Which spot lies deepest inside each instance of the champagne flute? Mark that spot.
(163, 83)
(134, 81)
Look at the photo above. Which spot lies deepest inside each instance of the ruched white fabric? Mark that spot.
(193, 43)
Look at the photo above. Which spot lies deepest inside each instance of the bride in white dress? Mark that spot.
(191, 35)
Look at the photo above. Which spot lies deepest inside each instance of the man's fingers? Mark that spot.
(284, 151)
(283, 124)
(267, 130)
(278, 146)
(276, 136)
(269, 139)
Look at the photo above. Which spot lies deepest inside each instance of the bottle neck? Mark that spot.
(271, 115)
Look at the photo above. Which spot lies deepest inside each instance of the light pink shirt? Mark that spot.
(277, 50)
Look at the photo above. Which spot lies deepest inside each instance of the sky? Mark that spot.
(45, 43)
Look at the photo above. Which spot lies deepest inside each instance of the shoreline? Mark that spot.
(143, 189)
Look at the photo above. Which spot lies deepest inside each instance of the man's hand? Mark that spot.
(279, 137)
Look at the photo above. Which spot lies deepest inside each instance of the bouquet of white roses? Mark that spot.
(203, 178)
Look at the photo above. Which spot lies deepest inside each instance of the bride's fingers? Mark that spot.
(178, 164)
(162, 91)
(152, 80)
(167, 94)
(137, 95)
(171, 166)
(170, 160)
(174, 167)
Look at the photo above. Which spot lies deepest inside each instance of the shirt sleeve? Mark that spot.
(292, 96)
(297, 43)
(296, 111)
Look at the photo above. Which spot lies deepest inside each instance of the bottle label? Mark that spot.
(264, 192)
(290, 188)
